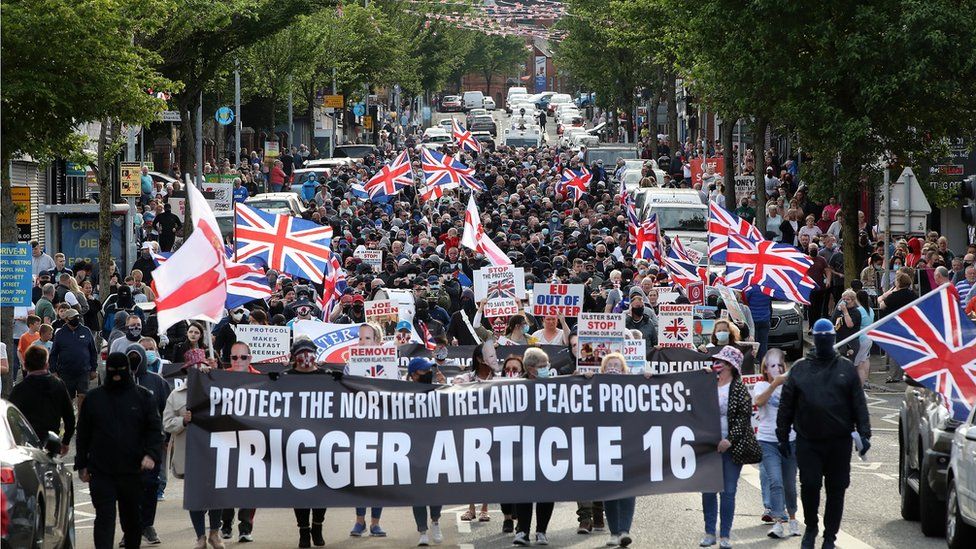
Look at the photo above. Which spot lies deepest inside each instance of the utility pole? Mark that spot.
(335, 117)
(199, 132)
(237, 111)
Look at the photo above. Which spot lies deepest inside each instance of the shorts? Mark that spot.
(76, 383)
(863, 351)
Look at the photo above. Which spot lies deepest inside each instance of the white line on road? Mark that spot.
(845, 540)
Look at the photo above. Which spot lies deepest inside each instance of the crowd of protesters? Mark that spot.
(78, 321)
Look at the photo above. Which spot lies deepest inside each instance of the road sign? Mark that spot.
(368, 123)
(21, 197)
(130, 175)
(170, 116)
(906, 204)
(15, 275)
(334, 101)
(224, 116)
(359, 109)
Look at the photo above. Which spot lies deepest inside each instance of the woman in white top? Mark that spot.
(551, 334)
(811, 229)
(773, 221)
(778, 473)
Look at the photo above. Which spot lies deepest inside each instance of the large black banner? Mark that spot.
(314, 441)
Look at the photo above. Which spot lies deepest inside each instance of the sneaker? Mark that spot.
(599, 525)
(424, 540)
(778, 532)
(149, 534)
(794, 527)
(245, 538)
(625, 539)
(522, 539)
(435, 532)
(226, 534)
(725, 543)
(614, 541)
(160, 496)
(508, 526)
(358, 530)
(707, 540)
(767, 517)
(541, 539)
(585, 527)
(377, 532)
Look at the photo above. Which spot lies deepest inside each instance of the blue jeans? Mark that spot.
(779, 475)
(374, 512)
(710, 505)
(620, 514)
(420, 516)
(199, 526)
(762, 337)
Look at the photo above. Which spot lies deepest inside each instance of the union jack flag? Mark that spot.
(245, 283)
(282, 242)
(649, 240)
(633, 225)
(429, 342)
(683, 269)
(575, 182)
(445, 172)
(501, 290)
(463, 138)
(333, 285)
(391, 178)
(160, 257)
(935, 344)
(722, 223)
(780, 270)
(376, 371)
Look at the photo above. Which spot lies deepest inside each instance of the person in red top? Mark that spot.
(277, 178)
(240, 361)
(451, 239)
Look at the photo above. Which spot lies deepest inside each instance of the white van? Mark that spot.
(514, 92)
(473, 100)
(680, 212)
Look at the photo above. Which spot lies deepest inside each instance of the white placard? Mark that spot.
(385, 314)
(557, 300)
(498, 286)
(373, 361)
(731, 304)
(675, 327)
(373, 258)
(267, 343)
(635, 353)
(223, 200)
(599, 335)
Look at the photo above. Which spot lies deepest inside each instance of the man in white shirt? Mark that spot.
(772, 184)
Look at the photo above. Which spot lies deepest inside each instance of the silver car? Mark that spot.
(961, 496)
(38, 503)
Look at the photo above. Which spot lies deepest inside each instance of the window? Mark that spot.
(21, 431)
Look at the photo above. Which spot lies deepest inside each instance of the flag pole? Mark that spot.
(210, 339)
(884, 318)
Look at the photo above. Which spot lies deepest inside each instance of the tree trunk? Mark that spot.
(106, 140)
(188, 142)
(848, 187)
(728, 175)
(487, 75)
(759, 136)
(670, 91)
(9, 233)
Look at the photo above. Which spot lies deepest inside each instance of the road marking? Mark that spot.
(845, 540)
(463, 526)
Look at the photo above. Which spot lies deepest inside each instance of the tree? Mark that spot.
(66, 63)
(492, 54)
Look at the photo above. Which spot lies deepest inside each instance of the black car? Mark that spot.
(38, 504)
(925, 431)
(354, 151)
(486, 140)
(484, 123)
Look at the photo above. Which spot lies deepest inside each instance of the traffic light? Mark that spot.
(967, 193)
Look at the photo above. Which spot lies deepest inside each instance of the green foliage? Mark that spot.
(493, 54)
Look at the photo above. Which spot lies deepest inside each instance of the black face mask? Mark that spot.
(117, 364)
(426, 377)
(74, 322)
(133, 333)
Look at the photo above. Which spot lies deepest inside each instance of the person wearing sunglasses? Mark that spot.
(240, 361)
(778, 472)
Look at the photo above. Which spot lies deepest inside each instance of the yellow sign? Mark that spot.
(130, 178)
(368, 122)
(334, 102)
(22, 204)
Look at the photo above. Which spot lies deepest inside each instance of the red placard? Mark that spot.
(696, 293)
(697, 171)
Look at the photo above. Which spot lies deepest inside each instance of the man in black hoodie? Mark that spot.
(43, 398)
(120, 435)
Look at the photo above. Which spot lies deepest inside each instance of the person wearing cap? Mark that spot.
(420, 370)
(823, 401)
(74, 357)
(738, 445)
(144, 263)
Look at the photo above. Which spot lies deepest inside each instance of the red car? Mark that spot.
(451, 103)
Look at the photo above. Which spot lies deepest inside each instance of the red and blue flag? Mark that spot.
(779, 270)
(282, 242)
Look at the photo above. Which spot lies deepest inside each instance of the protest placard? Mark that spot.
(497, 285)
(267, 343)
(674, 326)
(373, 361)
(373, 258)
(731, 304)
(599, 335)
(557, 300)
(385, 314)
(635, 354)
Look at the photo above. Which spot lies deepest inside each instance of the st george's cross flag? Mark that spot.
(192, 283)
(474, 236)
(463, 138)
(282, 242)
(779, 270)
(444, 171)
(391, 178)
(722, 223)
(935, 344)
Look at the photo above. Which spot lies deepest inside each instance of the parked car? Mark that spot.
(961, 495)
(473, 113)
(473, 100)
(486, 140)
(38, 495)
(489, 103)
(451, 103)
(278, 203)
(357, 151)
(925, 432)
(446, 124)
(558, 99)
(484, 123)
(514, 93)
(786, 328)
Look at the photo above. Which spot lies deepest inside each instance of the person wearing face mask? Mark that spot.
(114, 449)
(738, 445)
(462, 329)
(778, 476)
(74, 357)
(303, 354)
(420, 370)
(517, 332)
(484, 361)
(823, 401)
(642, 318)
(226, 334)
(160, 390)
(132, 333)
